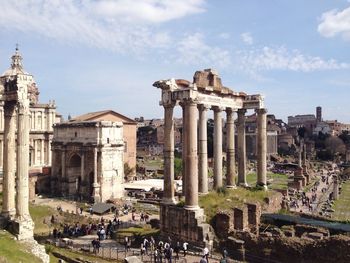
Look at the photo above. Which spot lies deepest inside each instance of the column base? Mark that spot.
(23, 228)
(262, 186)
(231, 186)
(169, 201)
(203, 193)
(243, 184)
(191, 207)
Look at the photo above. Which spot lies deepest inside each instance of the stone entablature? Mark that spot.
(87, 160)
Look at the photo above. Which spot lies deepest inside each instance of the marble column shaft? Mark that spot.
(261, 147)
(64, 183)
(169, 190)
(9, 164)
(183, 150)
(95, 184)
(217, 147)
(241, 149)
(22, 186)
(203, 151)
(191, 200)
(230, 150)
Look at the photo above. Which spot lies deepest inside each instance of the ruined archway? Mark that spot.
(74, 175)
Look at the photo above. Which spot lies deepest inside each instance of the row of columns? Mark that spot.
(195, 161)
(16, 166)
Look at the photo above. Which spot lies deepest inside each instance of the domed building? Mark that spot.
(42, 116)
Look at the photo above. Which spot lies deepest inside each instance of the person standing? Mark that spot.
(184, 247)
(206, 254)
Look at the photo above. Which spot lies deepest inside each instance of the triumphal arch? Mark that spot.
(206, 92)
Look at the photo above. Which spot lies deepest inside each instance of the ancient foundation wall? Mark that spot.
(185, 225)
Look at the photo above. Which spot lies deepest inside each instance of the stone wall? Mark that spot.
(185, 225)
(291, 250)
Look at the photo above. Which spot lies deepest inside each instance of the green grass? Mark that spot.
(39, 214)
(141, 231)
(341, 206)
(13, 251)
(228, 198)
(278, 181)
(79, 255)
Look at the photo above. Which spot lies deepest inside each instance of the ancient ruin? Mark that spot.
(16, 161)
(87, 160)
(196, 98)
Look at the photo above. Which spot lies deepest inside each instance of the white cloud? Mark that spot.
(224, 35)
(153, 11)
(280, 58)
(334, 23)
(121, 25)
(193, 50)
(247, 38)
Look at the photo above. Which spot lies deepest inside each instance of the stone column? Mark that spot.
(300, 162)
(230, 150)
(9, 164)
(49, 158)
(22, 186)
(203, 151)
(64, 183)
(183, 149)
(217, 147)
(335, 187)
(242, 165)
(168, 151)
(191, 200)
(42, 152)
(34, 153)
(82, 166)
(95, 185)
(304, 153)
(261, 148)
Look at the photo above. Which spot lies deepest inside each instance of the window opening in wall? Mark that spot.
(75, 134)
(107, 140)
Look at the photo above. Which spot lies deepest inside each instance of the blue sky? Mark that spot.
(92, 55)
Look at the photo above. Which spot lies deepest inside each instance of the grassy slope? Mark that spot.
(341, 206)
(214, 202)
(278, 181)
(13, 251)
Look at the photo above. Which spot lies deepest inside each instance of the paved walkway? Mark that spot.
(74, 206)
(321, 196)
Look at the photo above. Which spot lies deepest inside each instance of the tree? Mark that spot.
(128, 171)
(177, 166)
(335, 145)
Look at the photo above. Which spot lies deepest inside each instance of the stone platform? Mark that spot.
(186, 225)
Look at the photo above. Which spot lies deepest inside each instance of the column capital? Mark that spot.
(169, 105)
(217, 108)
(203, 107)
(229, 110)
(261, 111)
(241, 111)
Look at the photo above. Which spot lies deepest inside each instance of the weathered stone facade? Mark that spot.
(129, 132)
(87, 160)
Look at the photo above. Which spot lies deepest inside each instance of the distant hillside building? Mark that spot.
(42, 117)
